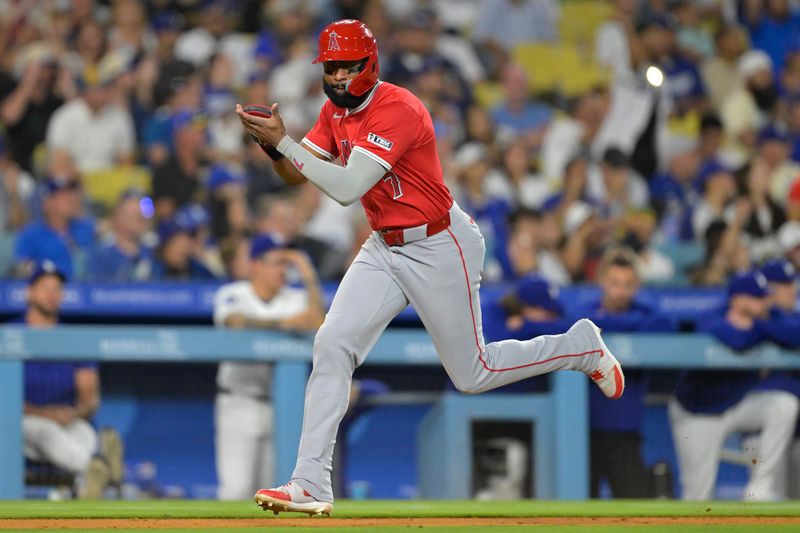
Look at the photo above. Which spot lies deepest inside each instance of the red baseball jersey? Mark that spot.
(393, 128)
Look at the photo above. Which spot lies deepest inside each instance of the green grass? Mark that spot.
(402, 509)
(394, 508)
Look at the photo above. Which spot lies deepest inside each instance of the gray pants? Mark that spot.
(440, 276)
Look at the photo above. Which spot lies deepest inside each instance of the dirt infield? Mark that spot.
(221, 523)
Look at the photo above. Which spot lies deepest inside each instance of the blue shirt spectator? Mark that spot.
(777, 32)
(174, 258)
(123, 255)
(61, 233)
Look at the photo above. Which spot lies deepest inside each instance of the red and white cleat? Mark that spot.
(608, 373)
(291, 498)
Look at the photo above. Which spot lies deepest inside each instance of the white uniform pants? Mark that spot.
(69, 447)
(699, 439)
(440, 276)
(244, 445)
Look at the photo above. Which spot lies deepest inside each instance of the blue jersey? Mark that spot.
(626, 413)
(37, 241)
(51, 382)
(715, 392)
(109, 263)
(783, 328)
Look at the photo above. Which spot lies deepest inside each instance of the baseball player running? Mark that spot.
(424, 250)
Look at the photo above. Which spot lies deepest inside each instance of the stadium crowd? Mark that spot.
(591, 141)
(122, 158)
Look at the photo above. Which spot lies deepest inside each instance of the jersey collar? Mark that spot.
(365, 103)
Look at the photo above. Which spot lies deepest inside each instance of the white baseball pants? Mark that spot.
(69, 447)
(244, 445)
(699, 439)
(440, 276)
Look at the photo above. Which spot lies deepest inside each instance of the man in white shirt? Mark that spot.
(243, 411)
(90, 133)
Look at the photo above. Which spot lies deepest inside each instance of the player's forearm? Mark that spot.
(343, 184)
(288, 172)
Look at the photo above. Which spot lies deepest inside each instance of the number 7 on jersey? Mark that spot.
(397, 190)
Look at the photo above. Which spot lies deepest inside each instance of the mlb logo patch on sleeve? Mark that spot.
(377, 140)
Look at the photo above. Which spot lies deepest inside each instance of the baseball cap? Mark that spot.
(183, 119)
(180, 223)
(46, 267)
(779, 271)
(536, 291)
(168, 20)
(772, 133)
(263, 243)
(749, 284)
(221, 175)
(194, 216)
(710, 168)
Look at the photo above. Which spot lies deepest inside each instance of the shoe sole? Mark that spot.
(619, 377)
(281, 506)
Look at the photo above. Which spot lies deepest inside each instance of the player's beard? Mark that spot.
(343, 100)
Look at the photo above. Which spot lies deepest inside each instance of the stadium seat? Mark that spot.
(580, 20)
(559, 68)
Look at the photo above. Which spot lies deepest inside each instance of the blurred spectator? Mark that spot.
(244, 420)
(767, 214)
(718, 187)
(709, 406)
(683, 85)
(518, 115)
(224, 128)
(179, 179)
(503, 24)
(793, 123)
(774, 28)
(90, 133)
(62, 235)
(533, 246)
(284, 215)
(167, 26)
(227, 187)
(616, 42)
(516, 181)
(16, 189)
(692, 36)
(774, 150)
(174, 258)
(725, 254)
(531, 309)
(90, 47)
(653, 266)
(415, 54)
(616, 429)
(28, 101)
(473, 195)
(721, 72)
(179, 88)
(712, 145)
(130, 33)
(235, 255)
(61, 399)
(613, 187)
(575, 133)
(295, 84)
(261, 176)
(214, 34)
(124, 254)
(751, 106)
(673, 195)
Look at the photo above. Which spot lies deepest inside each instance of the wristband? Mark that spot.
(271, 151)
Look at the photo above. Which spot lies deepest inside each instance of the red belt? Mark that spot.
(399, 237)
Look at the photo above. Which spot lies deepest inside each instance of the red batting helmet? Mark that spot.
(351, 40)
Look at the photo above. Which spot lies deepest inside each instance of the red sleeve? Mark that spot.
(389, 133)
(320, 138)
